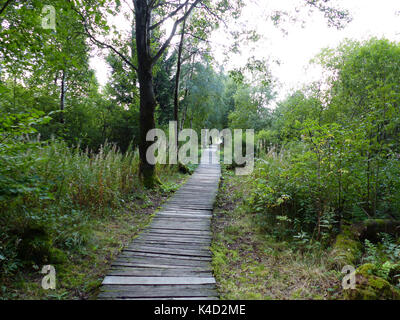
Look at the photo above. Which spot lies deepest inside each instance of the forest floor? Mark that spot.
(249, 264)
(81, 275)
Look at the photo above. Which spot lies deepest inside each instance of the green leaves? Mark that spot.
(15, 153)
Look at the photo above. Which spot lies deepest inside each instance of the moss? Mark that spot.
(346, 250)
(57, 256)
(370, 222)
(371, 287)
(366, 269)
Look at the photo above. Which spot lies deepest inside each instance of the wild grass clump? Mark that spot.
(89, 180)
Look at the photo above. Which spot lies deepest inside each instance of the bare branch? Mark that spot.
(176, 24)
(173, 13)
(197, 37)
(106, 45)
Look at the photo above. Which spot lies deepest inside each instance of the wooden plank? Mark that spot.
(160, 261)
(166, 291)
(184, 207)
(182, 233)
(180, 240)
(178, 227)
(184, 215)
(139, 255)
(172, 251)
(181, 224)
(169, 245)
(118, 280)
(158, 225)
(158, 272)
(166, 234)
(147, 265)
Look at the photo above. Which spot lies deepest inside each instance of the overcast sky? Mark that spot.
(294, 50)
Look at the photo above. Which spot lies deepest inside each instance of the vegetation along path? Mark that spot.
(172, 258)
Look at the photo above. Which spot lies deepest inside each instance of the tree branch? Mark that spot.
(176, 24)
(5, 6)
(214, 14)
(173, 13)
(103, 44)
(106, 45)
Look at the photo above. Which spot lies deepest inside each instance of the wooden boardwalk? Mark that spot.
(172, 259)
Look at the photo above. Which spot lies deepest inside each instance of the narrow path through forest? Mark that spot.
(172, 258)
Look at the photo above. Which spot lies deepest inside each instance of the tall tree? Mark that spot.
(148, 18)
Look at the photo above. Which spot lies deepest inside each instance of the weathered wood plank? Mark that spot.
(184, 215)
(134, 261)
(173, 251)
(195, 234)
(147, 265)
(158, 272)
(176, 239)
(166, 291)
(169, 245)
(139, 255)
(166, 233)
(122, 280)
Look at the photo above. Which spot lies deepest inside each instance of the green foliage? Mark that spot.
(16, 155)
(385, 256)
(76, 184)
(335, 156)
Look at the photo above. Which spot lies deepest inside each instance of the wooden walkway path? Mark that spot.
(172, 259)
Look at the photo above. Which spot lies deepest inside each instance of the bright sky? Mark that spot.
(294, 50)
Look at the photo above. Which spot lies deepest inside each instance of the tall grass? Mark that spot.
(88, 180)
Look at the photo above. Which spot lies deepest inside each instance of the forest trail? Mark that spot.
(172, 258)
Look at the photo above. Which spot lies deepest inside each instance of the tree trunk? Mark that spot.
(147, 96)
(178, 74)
(147, 123)
(186, 95)
(184, 111)
(62, 97)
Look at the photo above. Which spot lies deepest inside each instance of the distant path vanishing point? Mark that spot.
(171, 259)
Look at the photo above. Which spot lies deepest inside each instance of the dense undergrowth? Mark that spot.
(327, 173)
(267, 244)
(68, 207)
(251, 263)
